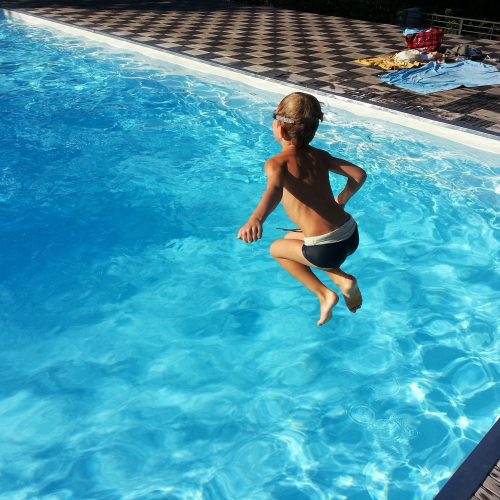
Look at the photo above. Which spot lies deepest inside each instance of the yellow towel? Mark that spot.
(388, 62)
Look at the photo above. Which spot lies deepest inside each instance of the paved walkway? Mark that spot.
(312, 50)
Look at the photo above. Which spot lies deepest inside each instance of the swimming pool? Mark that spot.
(147, 353)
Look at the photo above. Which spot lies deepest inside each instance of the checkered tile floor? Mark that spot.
(312, 50)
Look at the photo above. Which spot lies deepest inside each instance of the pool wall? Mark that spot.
(453, 133)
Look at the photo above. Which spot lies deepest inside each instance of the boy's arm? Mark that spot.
(356, 177)
(252, 230)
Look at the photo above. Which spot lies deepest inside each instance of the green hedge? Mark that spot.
(386, 11)
(382, 11)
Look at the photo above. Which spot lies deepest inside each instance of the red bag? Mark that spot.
(426, 41)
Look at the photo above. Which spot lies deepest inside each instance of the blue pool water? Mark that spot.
(147, 353)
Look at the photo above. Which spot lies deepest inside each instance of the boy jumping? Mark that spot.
(298, 176)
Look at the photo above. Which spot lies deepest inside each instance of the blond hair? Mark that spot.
(304, 110)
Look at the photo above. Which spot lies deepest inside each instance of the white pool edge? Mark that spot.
(473, 139)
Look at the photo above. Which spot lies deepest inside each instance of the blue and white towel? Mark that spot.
(434, 77)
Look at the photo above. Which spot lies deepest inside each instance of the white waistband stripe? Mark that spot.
(342, 233)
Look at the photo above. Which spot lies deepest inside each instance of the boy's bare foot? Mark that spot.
(327, 303)
(352, 294)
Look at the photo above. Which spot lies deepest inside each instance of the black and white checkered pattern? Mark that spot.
(312, 50)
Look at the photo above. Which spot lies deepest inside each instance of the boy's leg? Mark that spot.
(348, 286)
(288, 252)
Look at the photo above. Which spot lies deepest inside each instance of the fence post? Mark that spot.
(460, 25)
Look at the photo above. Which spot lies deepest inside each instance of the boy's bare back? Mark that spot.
(303, 174)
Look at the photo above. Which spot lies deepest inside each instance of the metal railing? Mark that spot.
(477, 28)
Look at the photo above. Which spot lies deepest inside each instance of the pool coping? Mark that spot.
(470, 477)
(465, 136)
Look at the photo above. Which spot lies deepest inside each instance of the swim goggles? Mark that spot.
(282, 118)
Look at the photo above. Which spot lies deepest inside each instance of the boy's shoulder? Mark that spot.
(293, 153)
(282, 159)
(322, 153)
(278, 160)
(276, 165)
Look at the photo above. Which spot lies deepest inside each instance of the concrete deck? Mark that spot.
(311, 50)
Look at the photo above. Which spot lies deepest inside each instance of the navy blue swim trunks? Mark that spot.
(331, 255)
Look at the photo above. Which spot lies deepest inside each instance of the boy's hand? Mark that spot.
(251, 231)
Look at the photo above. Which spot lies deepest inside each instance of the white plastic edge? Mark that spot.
(439, 129)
